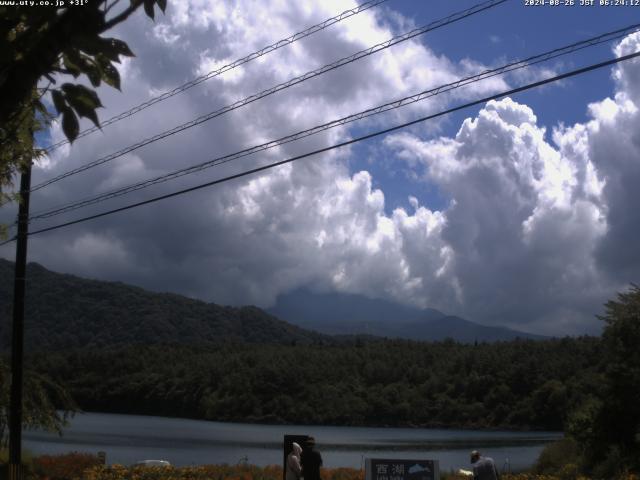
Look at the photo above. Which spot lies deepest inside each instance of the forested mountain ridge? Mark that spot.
(64, 311)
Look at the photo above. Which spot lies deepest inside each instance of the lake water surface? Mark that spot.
(129, 438)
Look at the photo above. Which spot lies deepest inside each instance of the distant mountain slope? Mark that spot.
(304, 306)
(466, 331)
(65, 311)
(343, 314)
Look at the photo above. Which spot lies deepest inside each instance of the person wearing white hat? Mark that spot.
(294, 468)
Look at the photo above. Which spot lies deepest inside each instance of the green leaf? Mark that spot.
(109, 47)
(91, 115)
(58, 100)
(84, 64)
(109, 72)
(91, 70)
(71, 65)
(95, 77)
(148, 8)
(118, 47)
(70, 125)
(162, 4)
(111, 75)
(83, 100)
(81, 93)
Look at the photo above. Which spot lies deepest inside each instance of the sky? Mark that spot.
(520, 212)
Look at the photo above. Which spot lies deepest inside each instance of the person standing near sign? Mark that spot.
(294, 466)
(484, 468)
(311, 460)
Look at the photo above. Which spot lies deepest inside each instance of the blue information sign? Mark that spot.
(401, 469)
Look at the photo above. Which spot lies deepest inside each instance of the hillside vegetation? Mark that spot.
(519, 384)
(65, 311)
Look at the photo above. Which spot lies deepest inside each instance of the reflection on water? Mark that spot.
(129, 438)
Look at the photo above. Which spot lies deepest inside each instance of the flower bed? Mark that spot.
(82, 466)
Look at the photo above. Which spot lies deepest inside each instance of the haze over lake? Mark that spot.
(129, 438)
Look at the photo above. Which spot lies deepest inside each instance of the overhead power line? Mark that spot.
(345, 143)
(214, 73)
(605, 37)
(294, 81)
(8, 241)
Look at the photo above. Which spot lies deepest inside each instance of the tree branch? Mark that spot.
(44, 90)
(109, 7)
(122, 17)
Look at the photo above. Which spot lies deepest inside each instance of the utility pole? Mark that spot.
(17, 341)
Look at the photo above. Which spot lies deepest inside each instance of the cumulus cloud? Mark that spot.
(541, 232)
(182, 245)
(530, 236)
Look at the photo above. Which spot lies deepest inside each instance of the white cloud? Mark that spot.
(91, 254)
(526, 237)
(541, 233)
(308, 222)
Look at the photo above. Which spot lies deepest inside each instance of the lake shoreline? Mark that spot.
(184, 442)
(283, 423)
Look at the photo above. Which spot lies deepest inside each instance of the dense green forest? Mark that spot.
(518, 384)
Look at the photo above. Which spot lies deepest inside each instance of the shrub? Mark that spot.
(558, 458)
(69, 466)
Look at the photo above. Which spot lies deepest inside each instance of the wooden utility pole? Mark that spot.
(17, 341)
